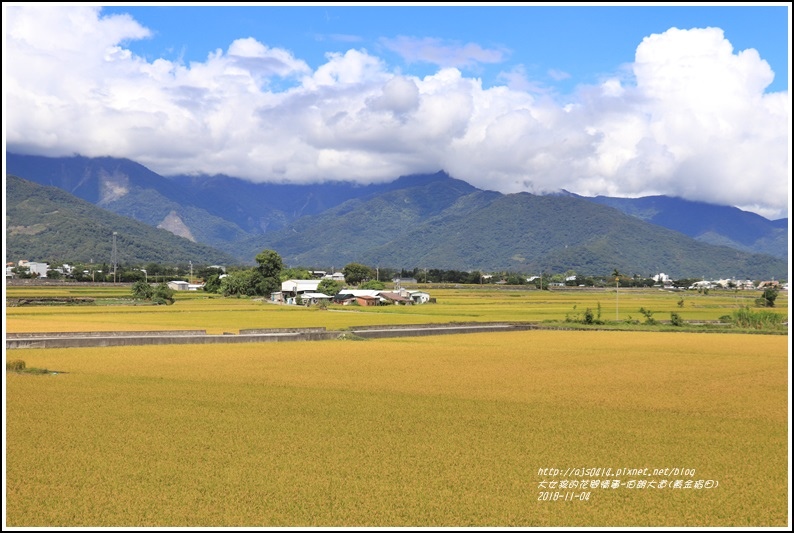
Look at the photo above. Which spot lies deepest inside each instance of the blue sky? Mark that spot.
(583, 43)
(690, 101)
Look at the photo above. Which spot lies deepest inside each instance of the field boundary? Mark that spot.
(148, 338)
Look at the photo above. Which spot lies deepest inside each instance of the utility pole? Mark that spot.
(115, 258)
(617, 291)
(191, 272)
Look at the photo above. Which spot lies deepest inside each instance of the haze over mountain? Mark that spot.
(432, 221)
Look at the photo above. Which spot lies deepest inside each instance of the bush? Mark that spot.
(676, 320)
(747, 318)
(163, 294)
(17, 365)
(648, 314)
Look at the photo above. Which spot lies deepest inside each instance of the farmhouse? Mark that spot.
(305, 292)
(394, 298)
(292, 288)
(361, 292)
(418, 297)
(365, 300)
(178, 285)
(344, 299)
(314, 298)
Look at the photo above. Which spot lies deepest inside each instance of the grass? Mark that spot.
(19, 366)
(426, 431)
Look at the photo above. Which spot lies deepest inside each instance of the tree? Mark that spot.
(142, 291)
(355, 273)
(768, 298)
(213, 283)
(270, 264)
(373, 285)
(329, 287)
(207, 272)
(240, 283)
(294, 273)
(266, 286)
(676, 320)
(163, 294)
(268, 273)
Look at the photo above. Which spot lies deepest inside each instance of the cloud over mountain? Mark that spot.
(689, 117)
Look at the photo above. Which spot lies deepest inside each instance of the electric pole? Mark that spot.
(115, 258)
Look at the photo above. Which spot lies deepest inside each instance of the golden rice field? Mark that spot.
(449, 430)
(428, 431)
(218, 315)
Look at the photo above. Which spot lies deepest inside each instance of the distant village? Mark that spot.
(305, 291)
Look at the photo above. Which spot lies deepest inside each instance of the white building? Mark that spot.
(178, 285)
(39, 269)
(418, 297)
(292, 288)
(298, 286)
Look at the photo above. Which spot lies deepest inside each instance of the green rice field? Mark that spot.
(483, 429)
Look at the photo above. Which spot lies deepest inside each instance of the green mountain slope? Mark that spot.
(48, 224)
(709, 223)
(518, 232)
(349, 231)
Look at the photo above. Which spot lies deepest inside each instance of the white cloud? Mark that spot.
(518, 80)
(443, 54)
(558, 75)
(693, 121)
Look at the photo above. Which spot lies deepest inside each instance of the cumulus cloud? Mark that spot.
(692, 120)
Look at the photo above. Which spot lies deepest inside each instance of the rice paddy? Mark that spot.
(427, 431)
(196, 310)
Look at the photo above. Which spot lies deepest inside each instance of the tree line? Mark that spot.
(270, 271)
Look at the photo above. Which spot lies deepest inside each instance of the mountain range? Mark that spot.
(426, 221)
(50, 225)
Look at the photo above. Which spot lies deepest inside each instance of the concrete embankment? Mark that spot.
(151, 338)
